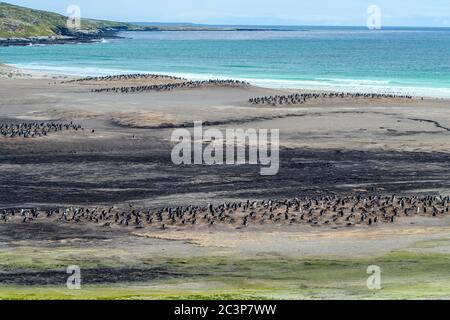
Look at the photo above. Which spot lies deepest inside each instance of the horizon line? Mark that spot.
(279, 25)
(237, 24)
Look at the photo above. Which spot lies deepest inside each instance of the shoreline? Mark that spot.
(273, 84)
(74, 39)
(337, 148)
(23, 42)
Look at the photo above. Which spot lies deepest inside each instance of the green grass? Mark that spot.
(405, 275)
(16, 21)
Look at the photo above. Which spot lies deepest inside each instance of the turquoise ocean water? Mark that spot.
(404, 60)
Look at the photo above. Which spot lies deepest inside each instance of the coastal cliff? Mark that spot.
(21, 26)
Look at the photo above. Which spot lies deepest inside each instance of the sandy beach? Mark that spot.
(329, 147)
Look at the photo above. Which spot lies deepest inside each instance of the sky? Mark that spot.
(429, 13)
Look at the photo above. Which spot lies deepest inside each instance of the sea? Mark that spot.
(351, 59)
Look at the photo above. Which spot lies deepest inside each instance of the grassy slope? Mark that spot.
(411, 273)
(16, 21)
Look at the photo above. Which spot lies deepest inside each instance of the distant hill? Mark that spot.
(21, 26)
(16, 21)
